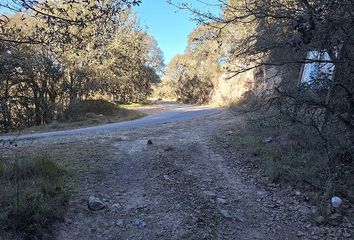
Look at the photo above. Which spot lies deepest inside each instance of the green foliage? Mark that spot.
(111, 57)
(33, 196)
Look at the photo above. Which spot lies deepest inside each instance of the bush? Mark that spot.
(32, 197)
(89, 108)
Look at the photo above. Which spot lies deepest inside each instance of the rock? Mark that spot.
(261, 193)
(120, 222)
(209, 194)
(140, 223)
(226, 214)
(95, 204)
(149, 142)
(116, 205)
(336, 202)
(268, 140)
(303, 210)
(167, 178)
(320, 220)
(297, 193)
(300, 234)
(142, 206)
(221, 200)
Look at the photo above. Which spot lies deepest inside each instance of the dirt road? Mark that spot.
(162, 112)
(182, 186)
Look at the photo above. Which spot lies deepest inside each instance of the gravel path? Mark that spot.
(179, 187)
(182, 186)
(163, 112)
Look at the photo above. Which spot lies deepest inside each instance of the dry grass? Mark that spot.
(296, 156)
(292, 156)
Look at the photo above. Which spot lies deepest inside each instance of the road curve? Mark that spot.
(171, 112)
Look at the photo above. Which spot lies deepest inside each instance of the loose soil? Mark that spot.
(186, 185)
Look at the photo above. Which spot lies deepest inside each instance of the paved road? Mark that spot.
(172, 112)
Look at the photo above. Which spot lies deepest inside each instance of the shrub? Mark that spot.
(33, 196)
(81, 110)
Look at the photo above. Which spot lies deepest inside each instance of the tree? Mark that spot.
(56, 17)
(275, 37)
(45, 81)
(197, 71)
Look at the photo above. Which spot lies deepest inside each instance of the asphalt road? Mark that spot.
(172, 112)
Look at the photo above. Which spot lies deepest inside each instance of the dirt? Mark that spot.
(182, 186)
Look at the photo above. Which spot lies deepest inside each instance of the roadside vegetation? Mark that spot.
(33, 196)
(88, 113)
(101, 51)
(295, 154)
(284, 154)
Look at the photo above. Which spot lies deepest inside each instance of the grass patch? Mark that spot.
(295, 155)
(135, 105)
(33, 196)
(268, 152)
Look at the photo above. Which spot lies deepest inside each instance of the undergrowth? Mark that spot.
(291, 156)
(33, 196)
(296, 155)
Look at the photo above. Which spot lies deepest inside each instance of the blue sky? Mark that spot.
(169, 26)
